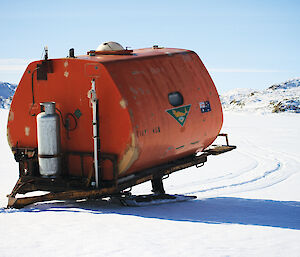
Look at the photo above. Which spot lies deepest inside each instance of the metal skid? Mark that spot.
(65, 187)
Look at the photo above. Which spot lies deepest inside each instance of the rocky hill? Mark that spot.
(283, 97)
(7, 91)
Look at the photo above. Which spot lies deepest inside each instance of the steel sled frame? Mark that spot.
(66, 188)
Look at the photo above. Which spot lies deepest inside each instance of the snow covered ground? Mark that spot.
(247, 205)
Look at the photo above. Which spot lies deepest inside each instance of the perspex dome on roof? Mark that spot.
(110, 46)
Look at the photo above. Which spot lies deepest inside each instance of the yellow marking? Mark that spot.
(130, 156)
(123, 103)
(9, 138)
(27, 131)
(11, 116)
(178, 114)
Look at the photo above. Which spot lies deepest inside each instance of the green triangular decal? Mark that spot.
(180, 113)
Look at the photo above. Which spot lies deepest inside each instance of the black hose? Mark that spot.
(32, 92)
(65, 125)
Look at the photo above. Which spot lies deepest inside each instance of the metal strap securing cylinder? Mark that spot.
(49, 155)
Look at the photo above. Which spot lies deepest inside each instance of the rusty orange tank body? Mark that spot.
(137, 120)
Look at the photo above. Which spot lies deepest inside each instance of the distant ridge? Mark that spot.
(7, 91)
(283, 97)
(292, 83)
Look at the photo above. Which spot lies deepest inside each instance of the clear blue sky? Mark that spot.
(245, 44)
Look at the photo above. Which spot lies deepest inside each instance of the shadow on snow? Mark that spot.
(229, 210)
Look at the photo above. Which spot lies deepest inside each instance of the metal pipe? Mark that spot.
(71, 53)
(94, 101)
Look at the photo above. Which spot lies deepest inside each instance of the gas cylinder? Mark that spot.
(48, 136)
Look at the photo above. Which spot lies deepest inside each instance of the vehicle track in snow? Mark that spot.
(265, 168)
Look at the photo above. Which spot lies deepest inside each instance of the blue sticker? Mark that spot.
(205, 106)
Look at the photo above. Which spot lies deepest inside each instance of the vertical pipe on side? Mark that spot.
(94, 101)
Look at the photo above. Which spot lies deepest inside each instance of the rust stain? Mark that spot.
(142, 180)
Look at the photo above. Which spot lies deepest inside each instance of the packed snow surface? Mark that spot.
(283, 97)
(247, 204)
